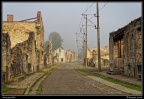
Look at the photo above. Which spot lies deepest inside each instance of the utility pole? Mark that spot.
(86, 43)
(83, 48)
(98, 38)
(85, 15)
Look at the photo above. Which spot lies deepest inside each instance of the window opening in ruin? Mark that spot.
(127, 46)
(139, 68)
(119, 54)
(129, 69)
(60, 50)
(3, 78)
(134, 71)
(61, 59)
(29, 67)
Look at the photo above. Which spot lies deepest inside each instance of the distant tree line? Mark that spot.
(56, 40)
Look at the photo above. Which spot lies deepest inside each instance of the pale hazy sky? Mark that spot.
(65, 17)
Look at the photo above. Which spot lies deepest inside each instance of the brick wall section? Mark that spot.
(9, 18)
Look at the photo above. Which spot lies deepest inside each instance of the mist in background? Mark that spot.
(64, 18)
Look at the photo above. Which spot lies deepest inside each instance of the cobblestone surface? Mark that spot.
(18, 88)
(66, 81)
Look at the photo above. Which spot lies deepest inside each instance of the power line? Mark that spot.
(81, 21)
(79, 36)
(79, 25)
(103, 6)
(91, 22)
(87, 5)
(95, 14)
(76, 40)
(87, 9)
(79, 43)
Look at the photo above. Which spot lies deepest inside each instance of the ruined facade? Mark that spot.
(26, 44)
(92, 57)
(126, 49)
(24, 56)
(48, 56)
(59, 55)
(69, 55)
(6, 57)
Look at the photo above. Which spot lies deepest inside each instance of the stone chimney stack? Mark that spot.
(9, 18)
(38, 17)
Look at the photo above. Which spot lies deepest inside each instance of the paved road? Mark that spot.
(66, 81)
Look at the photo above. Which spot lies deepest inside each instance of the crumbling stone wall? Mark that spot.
(16, 65)
(40, 38)
(25, 63)
(25, 42)
(18, 31)
(126, 49)
(69, 55)
(49, 59)
(15, 60)
(133, 46)
(24, 54)
(6, 57)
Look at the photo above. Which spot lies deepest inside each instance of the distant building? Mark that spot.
(68, 55)
(104, 56)
(71, 56)
(59, 55)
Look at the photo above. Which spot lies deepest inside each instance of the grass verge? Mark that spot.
(12, 91)
(138, 88)
(39, 88)
(5, 88)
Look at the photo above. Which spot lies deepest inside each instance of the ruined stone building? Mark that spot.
(92, 57)
(125, 48)
(89, 57)
(23, 43)
(6, 57)
(74, 56)
(48, 55)
(69, 56)
(59, 55)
